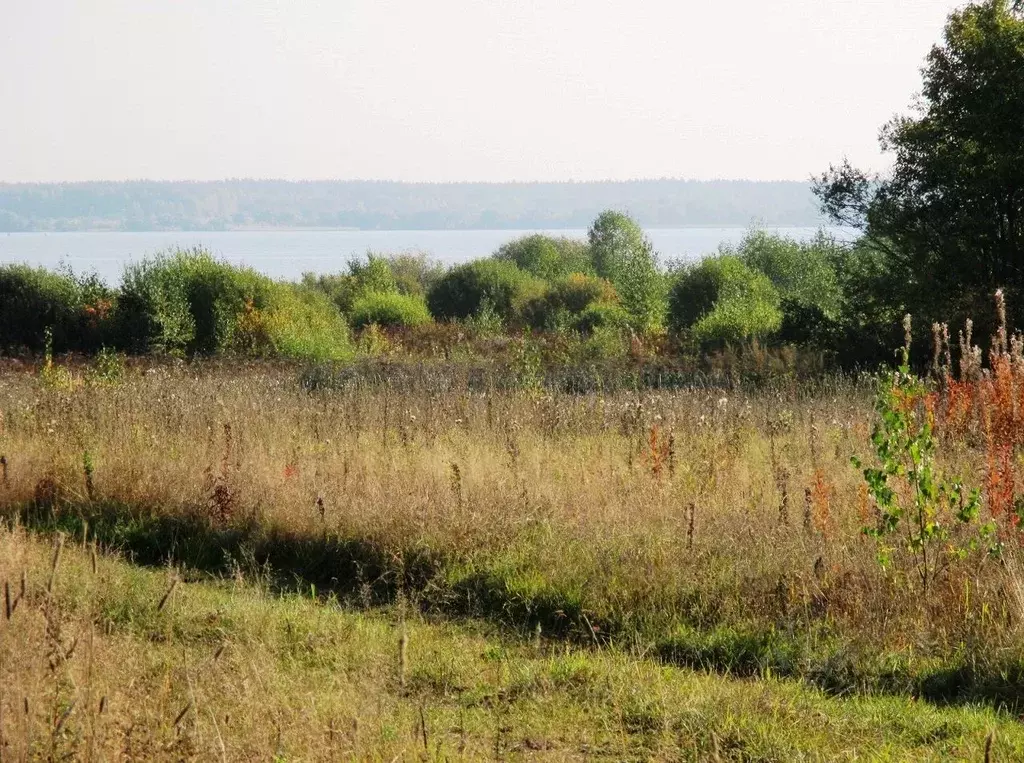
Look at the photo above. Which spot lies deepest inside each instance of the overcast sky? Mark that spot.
(453, 89)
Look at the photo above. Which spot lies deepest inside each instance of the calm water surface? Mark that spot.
(289, 254)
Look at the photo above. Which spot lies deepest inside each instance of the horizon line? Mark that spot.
(386, 181)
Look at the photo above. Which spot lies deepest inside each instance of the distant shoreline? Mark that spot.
(314, 229)
(264, 206)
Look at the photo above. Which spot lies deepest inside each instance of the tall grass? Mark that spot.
(721, 529)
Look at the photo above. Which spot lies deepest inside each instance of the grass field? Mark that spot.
(100, 662)
(661, 574)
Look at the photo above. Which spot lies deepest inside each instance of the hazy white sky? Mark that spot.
(453, 89)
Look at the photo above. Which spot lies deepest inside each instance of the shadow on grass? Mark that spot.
(364, 571)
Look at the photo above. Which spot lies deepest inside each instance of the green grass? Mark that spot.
(298, 677)
(513, 593)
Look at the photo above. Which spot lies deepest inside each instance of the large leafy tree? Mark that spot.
(950, 216)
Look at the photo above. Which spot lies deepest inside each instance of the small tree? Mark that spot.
(622, 254)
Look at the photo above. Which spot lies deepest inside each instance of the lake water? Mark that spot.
(290, 253)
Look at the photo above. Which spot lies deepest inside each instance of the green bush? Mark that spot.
(342, 289)
(415, 274)
(465, 289)
(605, 342)
(187, 302)
(76, 309)
(389, 311)
(804, 273)
(721, 299)
(298, 323)
(547, 257)
(400, 274)
(373, 276)
(563, 302)
(602, 315)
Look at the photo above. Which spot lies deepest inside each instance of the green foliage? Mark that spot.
(912, 496)
(463, 290)
(486, 323)
(187, 302)
(602, 316)
(389, 311)
(950, 217)
(414, 274)
(527, 368)
(605, 341)
(52, 375)
(300, 323)
(566, 299)
(74, 308)
(407, 274)
(341, 288)
(871, 305)
(373, 342)
(373, 276)
(723, 300)
(802, 272)
(547, 257)
(107, 368)
(622, 254)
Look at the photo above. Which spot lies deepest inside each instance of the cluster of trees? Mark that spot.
(945, 229)
(609, 285)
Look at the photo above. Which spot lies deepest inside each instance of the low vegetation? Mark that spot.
(101, 660)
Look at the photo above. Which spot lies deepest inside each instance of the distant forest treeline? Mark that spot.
(386, 205)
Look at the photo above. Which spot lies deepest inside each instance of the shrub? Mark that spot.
(187, 302)
(465, 289)
(603, 315)
(401, 274)
(342, 289)
(389, 311)
(32, 300)
(373, 276)
(804, 273)
(546, 257)
(415, 274)
(605, 342)
(304, 324)
(563, 302)
(722, 299)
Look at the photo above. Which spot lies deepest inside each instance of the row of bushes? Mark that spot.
(185, 303)
(189, 303)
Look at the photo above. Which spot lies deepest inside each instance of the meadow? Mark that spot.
(561, 503)
(684, 571)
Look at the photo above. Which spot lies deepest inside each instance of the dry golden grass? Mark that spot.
(670, 520)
